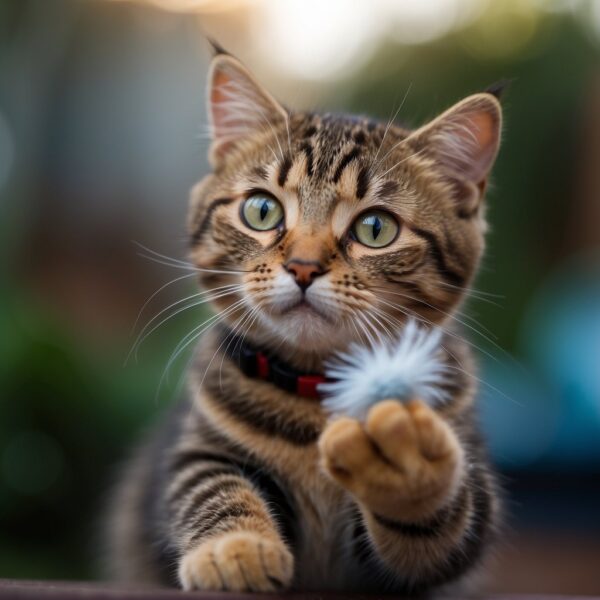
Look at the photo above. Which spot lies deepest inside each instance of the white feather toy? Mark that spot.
(411, 367)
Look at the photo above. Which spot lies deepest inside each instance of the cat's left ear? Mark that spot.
(239, 107)
(464, 140)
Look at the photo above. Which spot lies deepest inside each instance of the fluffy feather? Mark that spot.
(411, 367)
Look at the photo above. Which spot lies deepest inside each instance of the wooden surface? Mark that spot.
(49, 590)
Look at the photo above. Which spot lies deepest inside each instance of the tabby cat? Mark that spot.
(315, 231)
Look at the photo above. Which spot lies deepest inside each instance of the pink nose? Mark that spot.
(304, 271)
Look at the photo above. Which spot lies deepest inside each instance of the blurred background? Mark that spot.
(102, 133)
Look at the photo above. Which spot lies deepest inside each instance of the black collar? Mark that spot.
(262, 364)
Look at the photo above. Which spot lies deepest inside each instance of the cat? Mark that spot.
(315, 231)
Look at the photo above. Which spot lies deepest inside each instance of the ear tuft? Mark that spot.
(239, 106)
(216, 47)
(498, 88)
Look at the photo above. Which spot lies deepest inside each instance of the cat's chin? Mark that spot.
(307, 329)
(306, 311)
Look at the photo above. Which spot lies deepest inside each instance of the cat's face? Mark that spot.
(335, 229)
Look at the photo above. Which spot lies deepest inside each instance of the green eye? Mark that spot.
(375, 229)
(262, 212)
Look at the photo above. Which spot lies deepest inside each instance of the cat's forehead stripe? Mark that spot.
(284, 169)
(353, 154)
(307, 149)
(321, 151)
(359, 137)
(362, 182)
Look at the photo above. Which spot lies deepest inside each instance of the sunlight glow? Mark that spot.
(329, 39)
(317, 40)
(191, 6)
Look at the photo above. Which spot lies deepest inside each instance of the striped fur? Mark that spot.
(248, 487)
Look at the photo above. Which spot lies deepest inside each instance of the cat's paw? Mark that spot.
(405, 461)
(237, 561)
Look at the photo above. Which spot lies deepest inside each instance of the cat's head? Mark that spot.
(336, 228)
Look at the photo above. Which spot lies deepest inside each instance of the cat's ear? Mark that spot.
(464, 140)
(238, 106)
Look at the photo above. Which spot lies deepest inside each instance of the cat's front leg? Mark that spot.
(425, 499)
(225, 533)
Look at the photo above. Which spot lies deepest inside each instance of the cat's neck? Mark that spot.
(300, 358)
(296, 356)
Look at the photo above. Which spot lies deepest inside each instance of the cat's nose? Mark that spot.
(304, 271)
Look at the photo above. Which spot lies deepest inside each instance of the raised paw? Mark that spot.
(237, 561)
(404, 461)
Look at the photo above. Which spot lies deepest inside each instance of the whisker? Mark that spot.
(146, 332)
(221, 344)
(413, 314)
(475, 293)
(391, 121)
(359, 334)
(158, 291)
(445, 349)
(382, 325)
(382, 159)
(163, 256)
(367, 328)
(256, 311)
(238, 325)
(287, 127)
(195, 333)
(202, 294)
(485, 337)
(163, 259)
(392, 321)
(166, 263)
(449, 315)
(402, 161)
(191, 268)
(485, 383)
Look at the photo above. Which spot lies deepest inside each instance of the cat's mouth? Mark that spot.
(306, 307)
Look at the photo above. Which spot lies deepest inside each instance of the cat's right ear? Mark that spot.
(238, 106)
(464, 140)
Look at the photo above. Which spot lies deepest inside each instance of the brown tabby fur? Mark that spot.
(248, 487)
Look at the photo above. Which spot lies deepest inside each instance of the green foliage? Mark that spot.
(67, 418)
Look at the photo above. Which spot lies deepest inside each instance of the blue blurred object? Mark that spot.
(520, 416)
(548, 414)
(561, 336)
